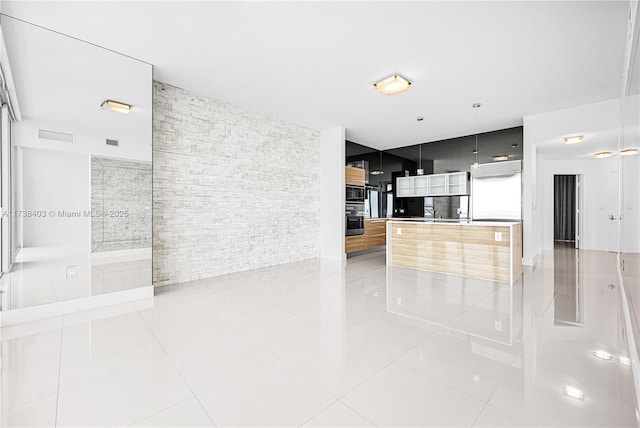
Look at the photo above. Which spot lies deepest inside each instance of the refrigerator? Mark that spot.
(496, 191)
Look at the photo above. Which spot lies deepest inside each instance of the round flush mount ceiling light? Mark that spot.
(629, 152)
(602, 155)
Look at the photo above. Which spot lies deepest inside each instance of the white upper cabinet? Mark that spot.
(458, 183)
(404, 187)
(454, 183)
(438, 185)
(421, 185)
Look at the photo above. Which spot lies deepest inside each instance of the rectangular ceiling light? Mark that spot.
(501, 158)
(573, 140)
(602, 155)
(392, 85)
(116, 106)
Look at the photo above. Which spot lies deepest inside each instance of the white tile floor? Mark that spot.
(316, 344)
(39, 275)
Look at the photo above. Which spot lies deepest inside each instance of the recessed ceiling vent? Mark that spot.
(113, 143)
(55, 136)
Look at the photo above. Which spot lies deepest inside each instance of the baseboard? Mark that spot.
(35, 313)
(631, 341)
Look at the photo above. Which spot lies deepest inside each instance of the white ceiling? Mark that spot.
(63, 81)
(314, 63)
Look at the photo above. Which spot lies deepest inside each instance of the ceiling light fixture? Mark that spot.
(392, 85)
(378, 171)
(501, 157)
(602, 155)
(476, 106)
(116, 106)
(420, 171)
(629, 152)
(573, 140)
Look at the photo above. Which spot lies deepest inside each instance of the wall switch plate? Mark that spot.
(399, 231)
(497, 325)
(72, 272)
(498, 236)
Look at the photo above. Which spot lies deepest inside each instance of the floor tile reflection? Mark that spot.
(320, 343)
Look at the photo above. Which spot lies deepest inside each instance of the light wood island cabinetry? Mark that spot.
(484, 250)
(375, 232)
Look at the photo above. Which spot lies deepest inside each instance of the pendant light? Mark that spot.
(378, 171)
(476, 106)
(420, 171)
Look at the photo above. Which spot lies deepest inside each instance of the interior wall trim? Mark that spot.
(35, 313)
(631, 341)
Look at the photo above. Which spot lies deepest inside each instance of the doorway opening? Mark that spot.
(567, 208)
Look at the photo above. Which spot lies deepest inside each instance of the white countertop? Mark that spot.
(454, 222)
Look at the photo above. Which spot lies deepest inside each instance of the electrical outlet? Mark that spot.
(72, 272)
(498, 236)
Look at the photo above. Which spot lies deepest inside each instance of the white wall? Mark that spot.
(530, 216)
(600, 198)
(332, 194)
(545, 155)
(630, 237)
(26, 134)
(55, 181)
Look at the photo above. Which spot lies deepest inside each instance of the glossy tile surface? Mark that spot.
(325, 344)
(39, 275)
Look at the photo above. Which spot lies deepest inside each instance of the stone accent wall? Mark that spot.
(120, 185)
(233, 190)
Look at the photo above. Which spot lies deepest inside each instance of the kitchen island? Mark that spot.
(484, 250)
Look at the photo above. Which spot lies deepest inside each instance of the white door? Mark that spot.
(611, 212)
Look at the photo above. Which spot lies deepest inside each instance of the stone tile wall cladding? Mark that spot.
(232, 190)
(120, 185)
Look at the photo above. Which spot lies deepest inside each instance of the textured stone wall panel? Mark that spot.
(232, 190)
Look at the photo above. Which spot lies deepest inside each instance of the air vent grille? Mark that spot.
(112, 142)
(55, 136)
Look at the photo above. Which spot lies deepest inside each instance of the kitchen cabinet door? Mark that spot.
(438, 184)
(354, 243)
(421, 185)
(354, 176)
(404, 186)
(458, 183)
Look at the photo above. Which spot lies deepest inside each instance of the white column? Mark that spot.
(529, 211)
(332, 193)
